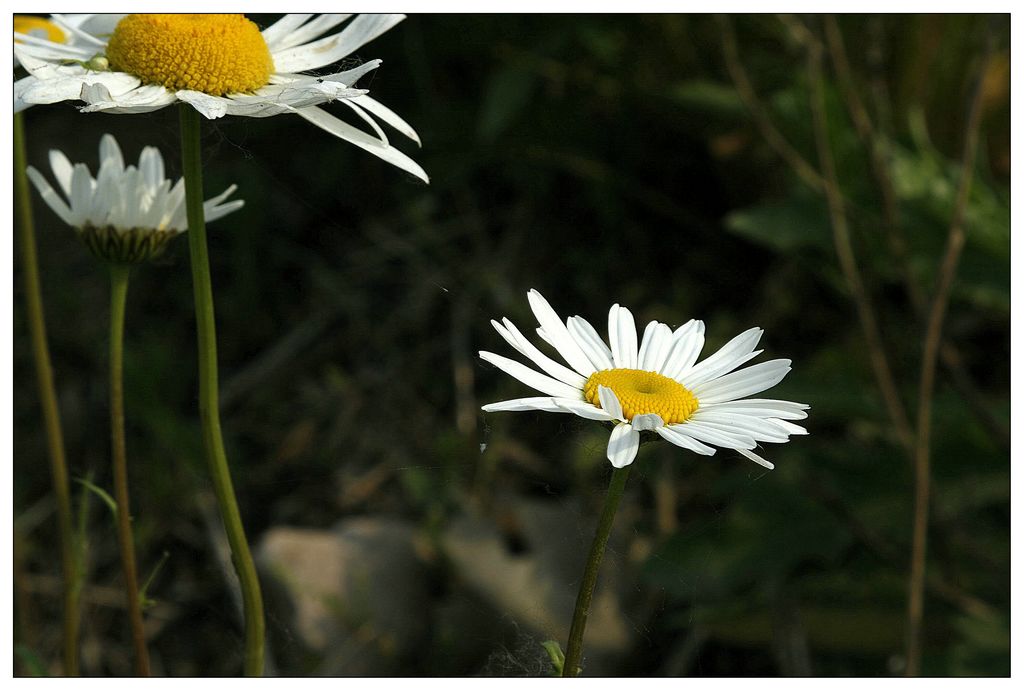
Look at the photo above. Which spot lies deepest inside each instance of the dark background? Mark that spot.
(598, 159)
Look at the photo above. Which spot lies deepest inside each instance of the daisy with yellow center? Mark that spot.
(218, 64)
(656, 386)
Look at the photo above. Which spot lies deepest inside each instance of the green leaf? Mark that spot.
(146, 601)
(795, 223)
(554, 651)
(99, 492)
(506, 96)
(707, 96)
(33, 665)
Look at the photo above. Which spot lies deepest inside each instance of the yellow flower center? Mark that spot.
(214, 53)
(27, 24)
(641, 392)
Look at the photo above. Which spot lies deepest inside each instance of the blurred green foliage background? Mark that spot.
(599, 159)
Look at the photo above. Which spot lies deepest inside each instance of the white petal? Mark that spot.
(539, 381)
(110, 151)
(622, 337)
(647, 421)
(761, 407)
(590, 343)
(81, 191)
(687, 342)
(560, 337)
(282, 28)
(757, 459)
(47, 49)
(223, 210)
(645, 342)
(151, 163)
(610, 402)
(586, 410)
(214, 201)
(545, 403)
(756, 428)
(210, 107)
(49, 196)
(387, 115)
(364, 141)
(711, 435)
(789, 427)
(96, 24)
(654, 349)
(20, 87)
(726, 359)
(365, 117)
(623, 444)
(544, 337)
(331, 49)
(744, 382)
(61, 167)
(80, 35)
(309, 30)
(675, 436)
(143, 99)
(518, 341)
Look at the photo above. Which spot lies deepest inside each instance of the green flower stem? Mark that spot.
(574, 651)
(209, 411)
(47, 397)
(118, 297)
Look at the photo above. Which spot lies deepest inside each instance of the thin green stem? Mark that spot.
(574, 650)
(118, 298)
(209, 410)
(47, 397)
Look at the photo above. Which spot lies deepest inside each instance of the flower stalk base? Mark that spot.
(574, 651)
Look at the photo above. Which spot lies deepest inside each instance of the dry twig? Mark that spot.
(933, 336)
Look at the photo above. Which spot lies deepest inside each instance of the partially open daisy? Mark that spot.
(219, 64)
(124, 214)
(658, 386)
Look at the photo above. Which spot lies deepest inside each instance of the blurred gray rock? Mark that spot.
(354, 600)
(526, 558)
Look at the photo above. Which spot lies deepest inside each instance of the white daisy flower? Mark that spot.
(42, 27)
(219, 64)
(124, 214)
(658, 386)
